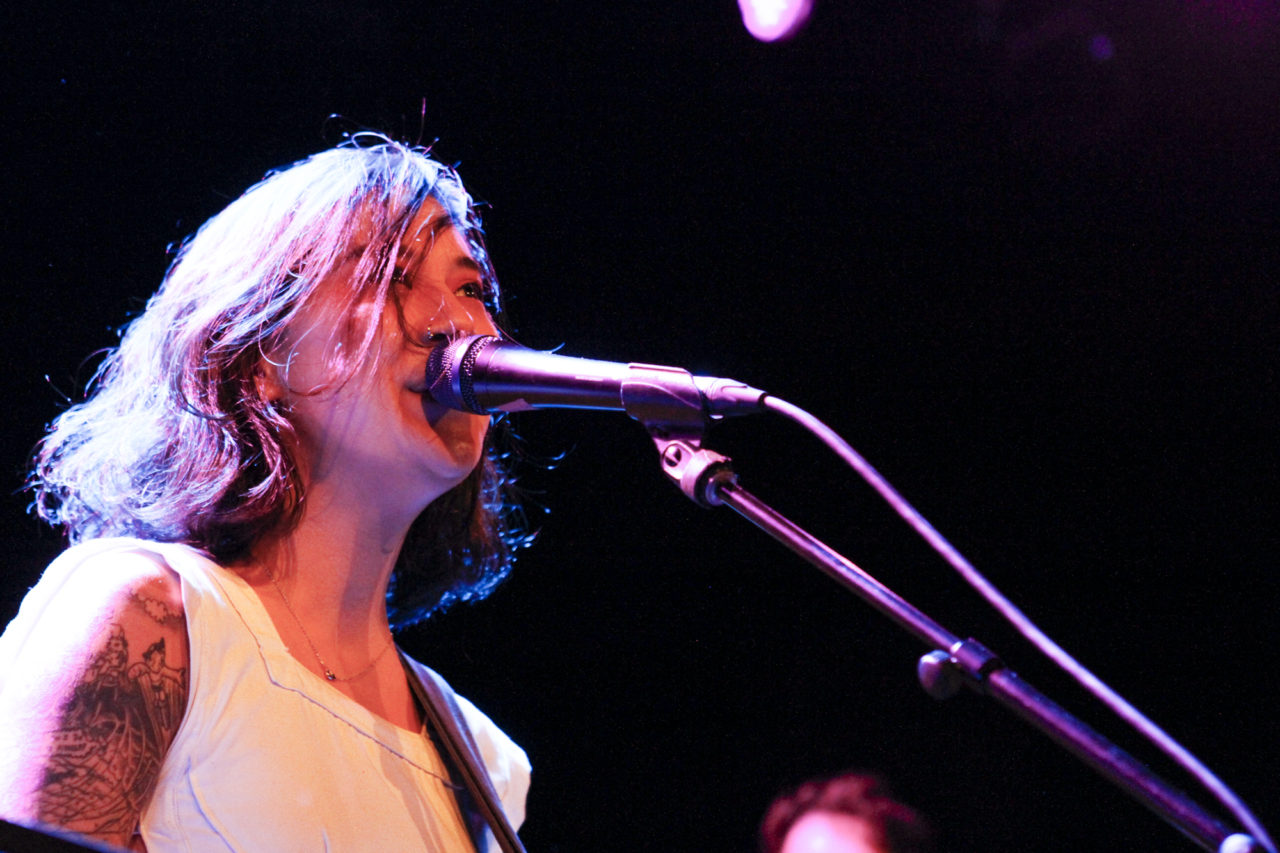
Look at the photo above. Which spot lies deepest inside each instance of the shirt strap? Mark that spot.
(461, 752)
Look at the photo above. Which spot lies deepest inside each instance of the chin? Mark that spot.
(462, 468)
(458, 453)
(464, 442)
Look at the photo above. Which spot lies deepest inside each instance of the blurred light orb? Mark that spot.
(1101, 47)
(771, 20)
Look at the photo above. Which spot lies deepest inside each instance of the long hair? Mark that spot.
(176, 440)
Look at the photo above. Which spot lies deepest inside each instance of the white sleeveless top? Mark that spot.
(271, 757)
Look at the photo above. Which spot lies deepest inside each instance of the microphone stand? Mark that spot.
(707, 478)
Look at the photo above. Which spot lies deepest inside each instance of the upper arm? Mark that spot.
(91, 704)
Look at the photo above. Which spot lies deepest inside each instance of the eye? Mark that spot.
(473, 290)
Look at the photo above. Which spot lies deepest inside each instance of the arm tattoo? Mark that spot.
(112, 736)
(157, 610)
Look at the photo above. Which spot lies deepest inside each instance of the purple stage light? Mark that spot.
(771, 20)
(1101, 47)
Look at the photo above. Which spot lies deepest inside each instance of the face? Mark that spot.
(828, 832)
(375, 437)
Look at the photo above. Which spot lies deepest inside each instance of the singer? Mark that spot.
(257, 491)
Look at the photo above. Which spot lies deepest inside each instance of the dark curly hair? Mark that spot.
(176, 441)
(894, 826)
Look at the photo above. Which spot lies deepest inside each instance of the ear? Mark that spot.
(268, 381)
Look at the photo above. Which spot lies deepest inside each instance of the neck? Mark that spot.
(335, 565)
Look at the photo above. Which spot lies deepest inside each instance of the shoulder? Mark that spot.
(507, 764)
(495, 745)
(91, 605)
(91, 586)
(102, 624)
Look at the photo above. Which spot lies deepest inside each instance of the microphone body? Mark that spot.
(484, 374)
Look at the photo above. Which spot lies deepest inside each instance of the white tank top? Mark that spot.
(270, 757)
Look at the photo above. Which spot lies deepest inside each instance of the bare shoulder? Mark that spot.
(90, 706)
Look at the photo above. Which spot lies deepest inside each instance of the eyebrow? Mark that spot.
(437, 225)
(468, 262)
(434, 229)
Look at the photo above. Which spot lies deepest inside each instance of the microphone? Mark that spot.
(483, 374)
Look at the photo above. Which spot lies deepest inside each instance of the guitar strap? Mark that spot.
(461, 753)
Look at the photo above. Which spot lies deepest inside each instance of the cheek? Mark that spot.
(485, 324)
(429, 311)
(318, 354)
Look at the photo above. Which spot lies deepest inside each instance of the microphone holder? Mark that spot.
(707, 478)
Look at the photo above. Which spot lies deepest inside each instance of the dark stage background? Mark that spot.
(1022, 255)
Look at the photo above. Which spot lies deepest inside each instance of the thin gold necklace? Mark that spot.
(328, 673)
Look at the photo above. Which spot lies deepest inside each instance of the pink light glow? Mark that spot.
(770, 20)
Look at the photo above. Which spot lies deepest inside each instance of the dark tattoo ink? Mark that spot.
(112, 736)
(157, 609)
(164, 691)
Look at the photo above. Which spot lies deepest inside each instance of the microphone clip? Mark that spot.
(665, 400)
(700, 473)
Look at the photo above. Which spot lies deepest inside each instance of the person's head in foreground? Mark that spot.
(849, 813)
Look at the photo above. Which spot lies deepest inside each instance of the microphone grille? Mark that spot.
(450, 372)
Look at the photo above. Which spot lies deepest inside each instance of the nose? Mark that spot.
(453, 316)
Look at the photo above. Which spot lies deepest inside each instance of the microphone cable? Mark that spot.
(1117, 703)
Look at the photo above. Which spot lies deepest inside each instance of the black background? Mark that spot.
(1021, 255)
